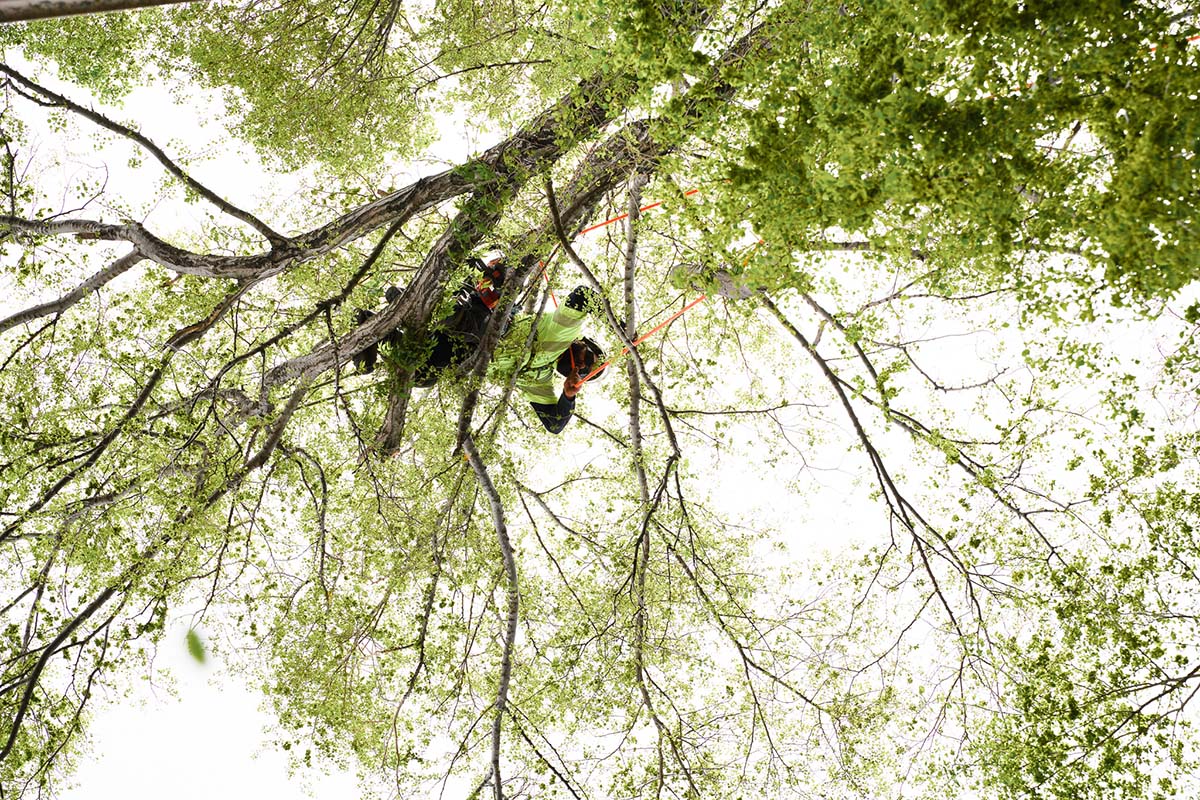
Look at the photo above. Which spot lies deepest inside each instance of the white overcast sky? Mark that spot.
(196, 730)
(208, 737)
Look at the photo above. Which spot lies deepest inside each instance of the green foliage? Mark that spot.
(195, 646)
(937, 124)
(950, 335)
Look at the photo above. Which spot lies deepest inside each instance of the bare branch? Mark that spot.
(901, 507)
(156, 151)
(513, 600)
(56, 307)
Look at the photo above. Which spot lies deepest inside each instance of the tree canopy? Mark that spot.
(949, 251)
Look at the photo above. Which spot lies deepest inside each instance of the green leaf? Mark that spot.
(195, 646)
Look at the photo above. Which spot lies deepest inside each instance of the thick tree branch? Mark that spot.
(156, 151)
(494, 174)
(23, 10)
(56, 307)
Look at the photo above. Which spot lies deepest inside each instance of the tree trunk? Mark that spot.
(20, 10)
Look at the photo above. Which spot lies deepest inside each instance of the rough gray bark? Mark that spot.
(21, 10)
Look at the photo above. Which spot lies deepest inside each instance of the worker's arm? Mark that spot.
(555, 416)
(584, 299)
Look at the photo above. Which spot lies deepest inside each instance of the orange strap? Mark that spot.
(600, 225)
(649, 333)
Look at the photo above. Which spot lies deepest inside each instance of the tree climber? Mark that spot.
(557, 344)
(455, 336)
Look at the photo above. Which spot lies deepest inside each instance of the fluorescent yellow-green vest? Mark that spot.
(535, 371)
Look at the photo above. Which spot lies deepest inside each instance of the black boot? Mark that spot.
(364, 360)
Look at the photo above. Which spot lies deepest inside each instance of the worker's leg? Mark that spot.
(364, 360)
(455, 337)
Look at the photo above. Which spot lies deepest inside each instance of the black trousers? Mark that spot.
(455, 337)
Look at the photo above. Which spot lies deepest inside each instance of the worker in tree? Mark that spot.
(557, 344)
(455, 336)
(557, 347)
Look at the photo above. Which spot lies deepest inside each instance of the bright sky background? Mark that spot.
(205, 740)
(197, 731)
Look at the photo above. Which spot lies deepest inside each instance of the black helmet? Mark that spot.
(583, 355)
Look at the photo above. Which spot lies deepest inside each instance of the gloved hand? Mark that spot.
(572, 384)
(584, 299)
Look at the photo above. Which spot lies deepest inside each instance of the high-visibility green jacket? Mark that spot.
(535, 372)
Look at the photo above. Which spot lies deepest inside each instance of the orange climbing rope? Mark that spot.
(657, 327)
(647, 334)
(597, 227)
(600, 225)
(1190, 39)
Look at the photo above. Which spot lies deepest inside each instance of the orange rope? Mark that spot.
(1190, 39)
(669, 319)
(600, 225)
(648, 334)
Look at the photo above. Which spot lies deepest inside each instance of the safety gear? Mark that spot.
(580, 358)
(584, 299)
(495, 273)
(535, 377)
(492, 265)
